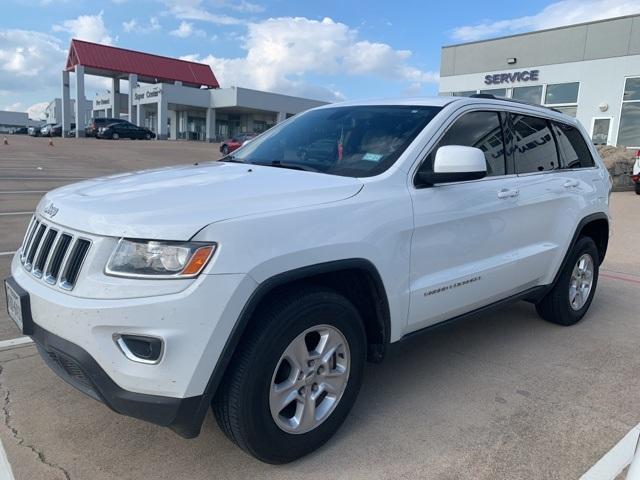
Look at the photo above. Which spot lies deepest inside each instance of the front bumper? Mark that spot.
(76, 367)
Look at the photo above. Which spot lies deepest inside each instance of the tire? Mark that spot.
(637, 188)
(556, 306)
(244, 403)
(147, 136)
(225, 150)
(115, 136)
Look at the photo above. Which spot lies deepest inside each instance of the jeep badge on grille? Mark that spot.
(50, 210)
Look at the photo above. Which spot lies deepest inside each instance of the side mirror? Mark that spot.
(455, 163)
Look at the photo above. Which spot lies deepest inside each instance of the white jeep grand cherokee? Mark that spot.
(260, 284)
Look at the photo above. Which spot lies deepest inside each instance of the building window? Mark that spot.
(563, 97)
(528, 94)
(466, 93)
(600, 130)
(629, 133)
(496, 92)
(562, 93)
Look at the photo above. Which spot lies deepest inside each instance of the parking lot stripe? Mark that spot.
(618, 277)
(5, 467)
(15, 213)
(16, 192)
(7, 253)
(15, 342)
(616, 459)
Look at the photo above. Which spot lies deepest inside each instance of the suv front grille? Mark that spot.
(47, 251)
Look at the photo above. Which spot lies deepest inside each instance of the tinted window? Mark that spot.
(574, 150)
(632, 89)
(528, 94)
(355, 141)
(562, 93)
(480, 130)
(534, 148)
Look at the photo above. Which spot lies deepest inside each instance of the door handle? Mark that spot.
(508, 193)
(571, 183)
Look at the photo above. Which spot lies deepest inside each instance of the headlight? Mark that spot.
(155, 259)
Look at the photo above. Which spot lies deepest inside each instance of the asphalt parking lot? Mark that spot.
(499, 395)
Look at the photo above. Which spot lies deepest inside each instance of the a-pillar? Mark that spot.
(162, 119)
(282, 116)
(133, 84)
(66, 104)
(80, 101)
(210, 126)
(115, 97)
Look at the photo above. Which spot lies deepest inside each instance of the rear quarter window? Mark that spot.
(573, 148)
(533, 144)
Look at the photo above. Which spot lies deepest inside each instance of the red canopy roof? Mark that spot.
(106, 60)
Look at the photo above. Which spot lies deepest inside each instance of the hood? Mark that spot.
(175, 203)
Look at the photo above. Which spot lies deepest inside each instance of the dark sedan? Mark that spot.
(99, 122)
(116, 131)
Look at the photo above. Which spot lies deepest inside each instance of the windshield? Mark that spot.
(359, 141)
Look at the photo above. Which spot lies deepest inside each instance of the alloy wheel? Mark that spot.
(309, 379)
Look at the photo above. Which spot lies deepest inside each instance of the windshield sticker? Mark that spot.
(372, 157)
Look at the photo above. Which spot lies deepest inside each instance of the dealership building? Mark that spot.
(177, 99)
(590, 71)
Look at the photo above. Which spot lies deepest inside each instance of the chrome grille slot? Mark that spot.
(35, 243)
(59, 252)
(28, 238)
(74, 263)
(43, 253)
(53, 254)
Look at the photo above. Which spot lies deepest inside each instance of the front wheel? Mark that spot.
(147, 136)
(115, 136)
(571, 296)
(295, 377)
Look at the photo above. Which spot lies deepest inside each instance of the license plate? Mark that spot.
(14, 306)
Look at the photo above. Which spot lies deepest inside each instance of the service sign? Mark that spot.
(512, 77)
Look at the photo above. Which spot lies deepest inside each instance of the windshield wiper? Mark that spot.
(231, 159)
(291, 166)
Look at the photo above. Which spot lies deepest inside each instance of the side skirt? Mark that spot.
(530, 295)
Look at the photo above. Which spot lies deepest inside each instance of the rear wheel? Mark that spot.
(295, 377)
(571, 296)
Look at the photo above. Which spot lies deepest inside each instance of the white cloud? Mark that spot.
(29, 60)
(244, 6)
(133, 26)
(195, 10)
(564, 12)
(186, 30)
(14, 107)
(36, 111)
(130, 25)
(86, 27)
(281, 51)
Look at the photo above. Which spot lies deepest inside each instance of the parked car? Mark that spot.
(119, 130)
(635, 176)
(45, 131)
(34, 131)
(21, 131)
(236, 142)
(56, 130)
(96, 123)
(261, 284)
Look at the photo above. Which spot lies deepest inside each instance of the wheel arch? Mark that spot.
(357, 279)
(595, 226)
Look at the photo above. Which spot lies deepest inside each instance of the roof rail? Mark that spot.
(505, 99)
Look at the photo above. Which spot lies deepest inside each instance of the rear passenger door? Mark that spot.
(547, 199)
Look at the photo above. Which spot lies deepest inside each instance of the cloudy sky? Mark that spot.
(329, 50)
